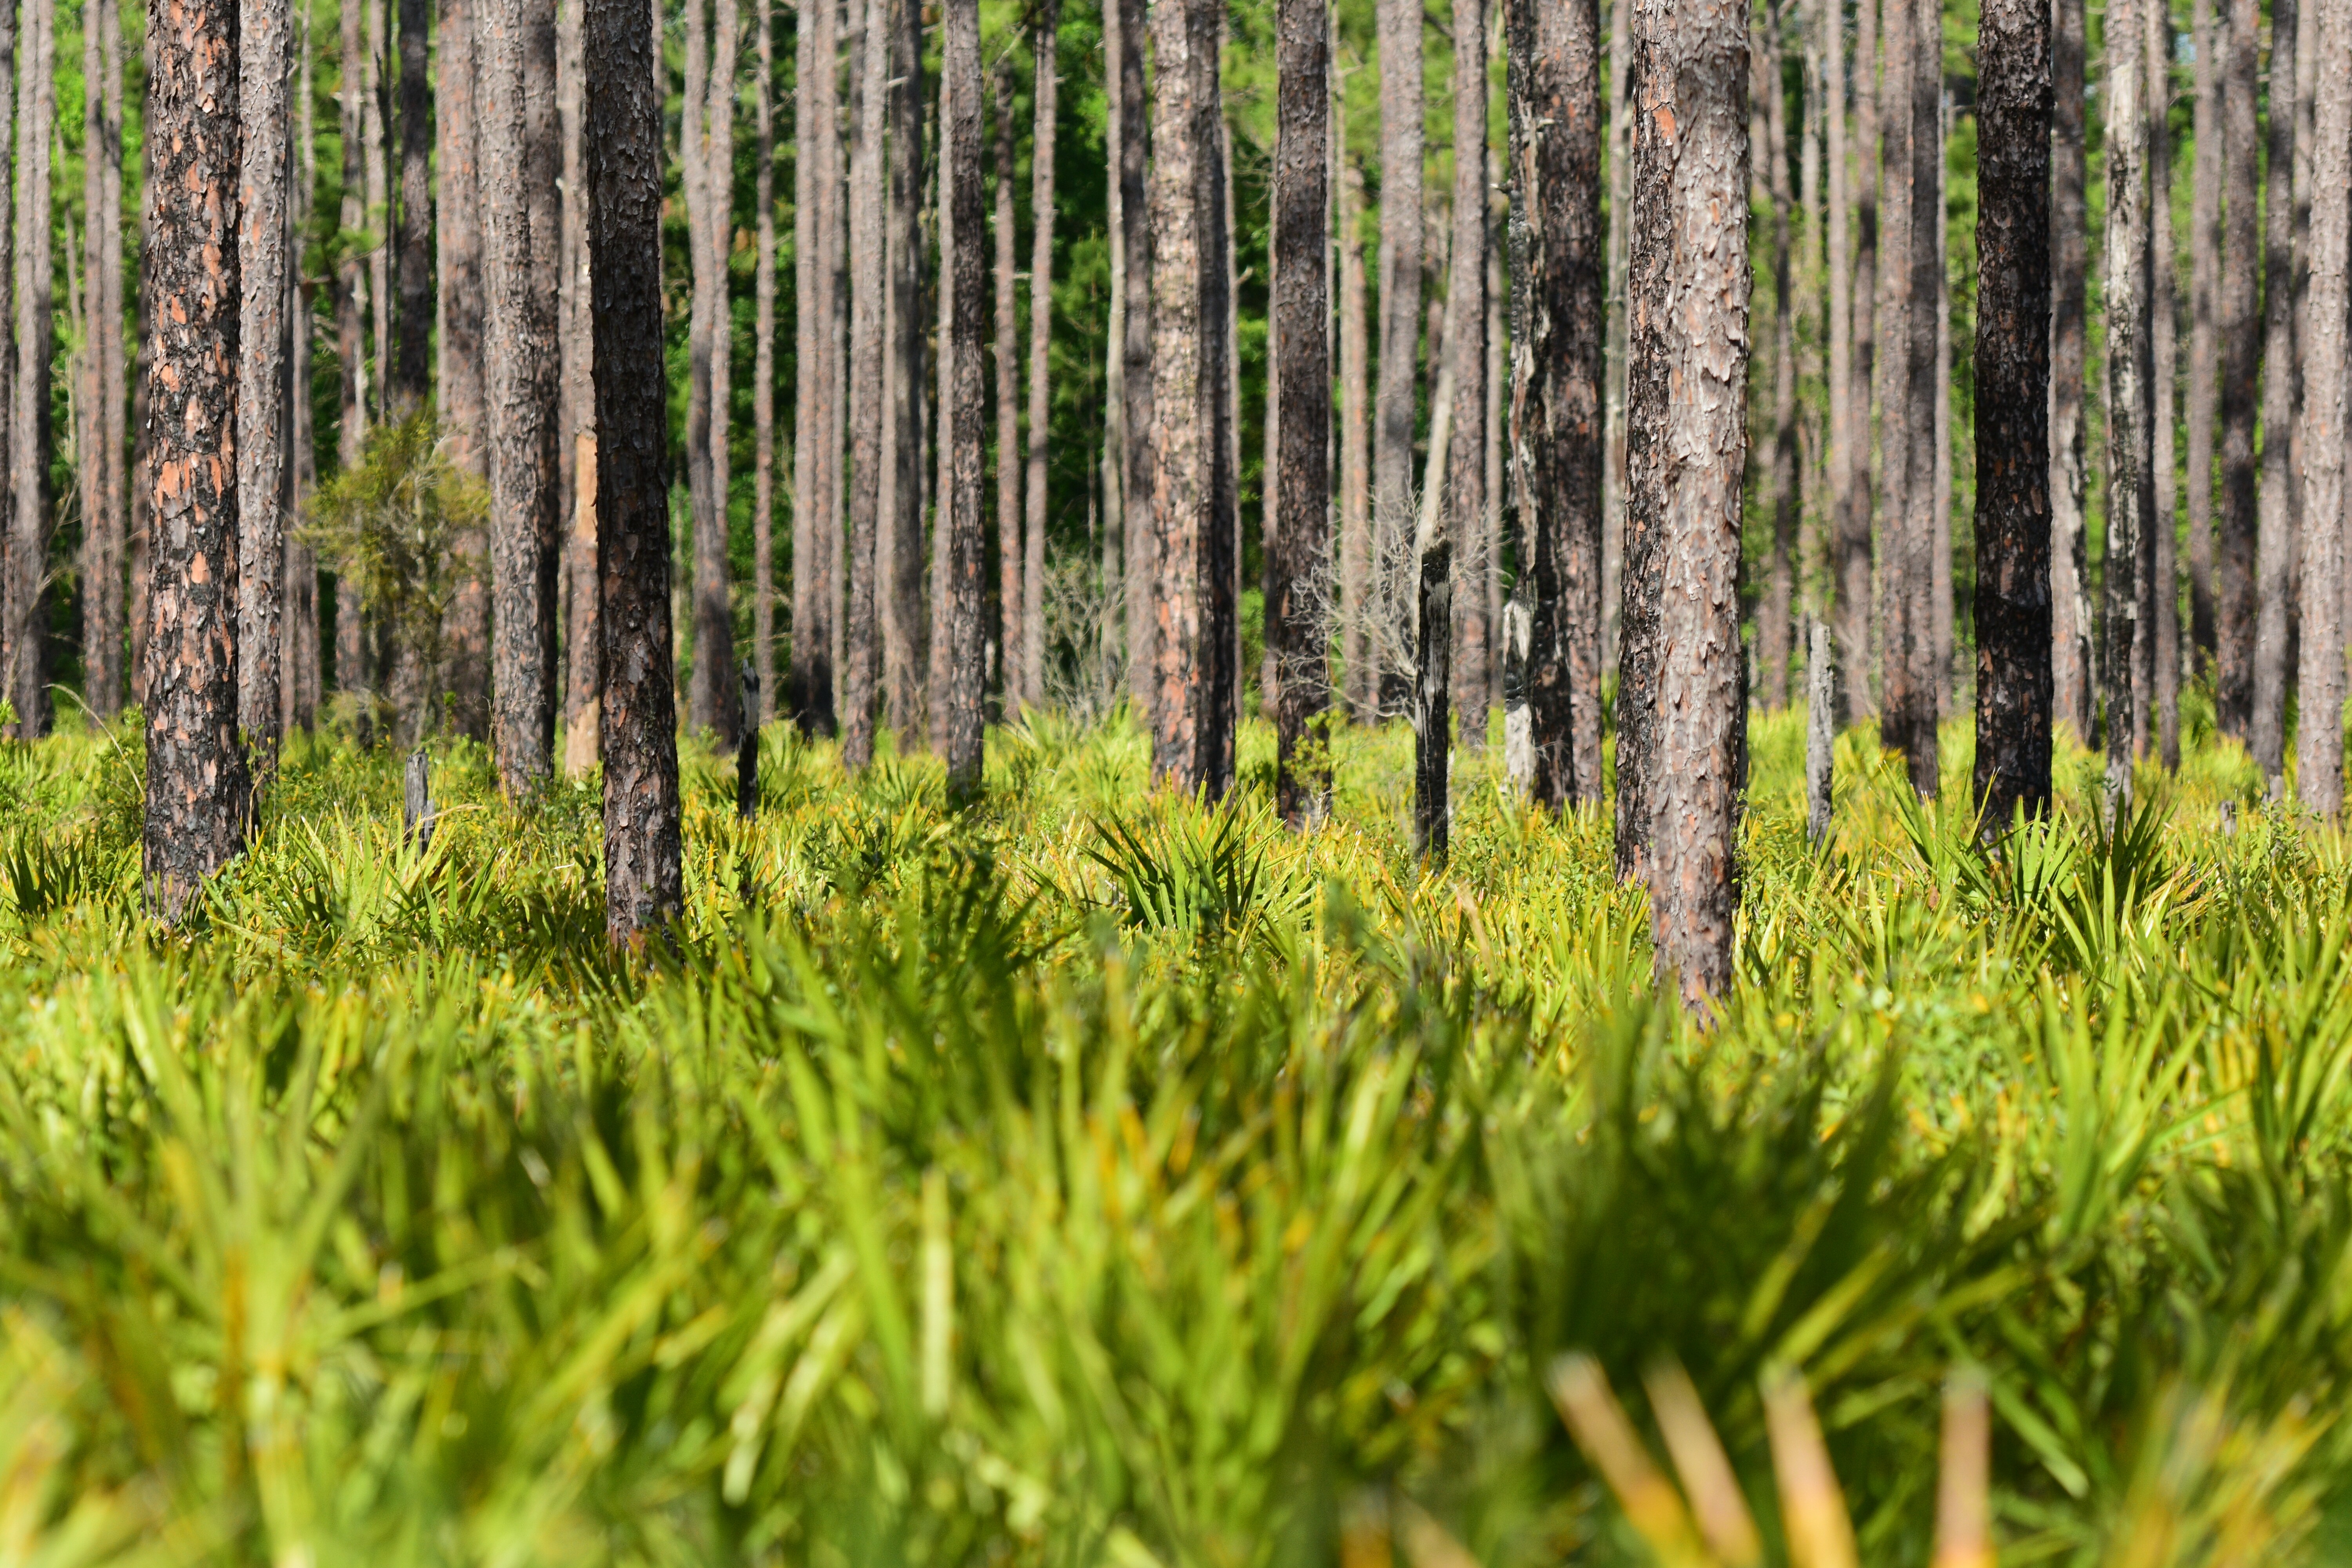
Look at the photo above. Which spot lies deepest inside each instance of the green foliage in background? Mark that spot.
(1097, 1177)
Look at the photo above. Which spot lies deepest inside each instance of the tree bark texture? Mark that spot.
(576, 421)
(196, 787)
(1784, 492)
(644, 884)
(1298, 548)
(714, 695)
(1682, 699)
(2204, 326)
(904, 622)
(1047, 101)
(1498, 382)
(1134, 144)
(1913, 40)
(28, 525)
(2275, 543)
(1008, 509)
(1556, 366)
(1394, 397)
(2069, 605)
(1193, 732)
(2130, 484)
(2012, 413)
(764, 373)
(1859, 624)
(959, 668)
(2319, 739)
(2238, 606)
(463, 413)
(1433, 646)
(1848, 563)
(1466, 344)
(869, 280)
(2157, 695)
(816, 490)
(521, 387)
(1355, 452)
(265, 59)
(99, 443)
(375, 106)
(412, 357)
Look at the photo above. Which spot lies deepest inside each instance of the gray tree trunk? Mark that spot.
(2275, 544)
(1784, 492)
(1297, 546)
(463, 413)
(2158, 697)
(2130, 485)
(1355, 452)
(2319, 739)
(959, 665)
(576, 423)
(28, 528)
(1849, 526)
(2072, 696)
(1033, 652)
(869, 282)
(1860, 639)
(904, 622)
(1008, 509)
(101, 447)
(2204, 295)
(1395, 391)
(413, 359)
(1465, 341)
(2242, 343)
(265, 56)
(763, 376)
(1134, 143)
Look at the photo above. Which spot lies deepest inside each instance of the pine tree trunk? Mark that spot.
(1466, 340)
(1395, 391)
(113, 394)
(1681, 763)
(2204, 295)
(2239, 609)
(1298, 543)
(379, 203)
(355, 666)
(576, 422)
(1848, 566)
(763, 376)
(1008, 509)
(264, 59)
(801, 678)
(958, 689)
(1499, 380)
(1134, 161)
(1771, 174)
(521, 386)
(98, 442)
(2158, 697)
(713, 688)
(2012, 391)
(2130, 485)
(1859, 640)
(1193, 725)
(303, 679)
(869, 282)
(412, 358)
(1355, 452)
(701, 332)
(29, 528)
(643, 878)
(904, 622)
(197, 797)
(1556, 366)
(1907, 676)
(2275, 543)
(817, 482)
(1941, 599)
(2070, 603)
(1041, 339)
(2319, 742)
(1612, 417)
(463, 415)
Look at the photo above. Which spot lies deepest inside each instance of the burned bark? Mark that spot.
(959, 664)
(2130, 484)
(1298, 545)
(265, 54)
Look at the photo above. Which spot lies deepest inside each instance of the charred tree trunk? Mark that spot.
(412, 358)
(2319, 742)
(763, 376)
(28, 528)
(463, 413)
(1681, 761)
(197, 797)
(264, 58)
(2204, 295)
(1192, 733)
(1556, 365)
(2238, 606)
(2130, 484)
(1297, 638)
(100, 442)
(959, 687)
(1355, 453)
(2012, 388)
(870, 282)
(2071, 694)
(1465, 342)
(1395, 393)
(2275, 544)
(903, 619)
(1008, 509)
(644, 884)
(1041, 339)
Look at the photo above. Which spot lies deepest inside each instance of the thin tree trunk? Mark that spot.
(1499, 380)
(1941, 600)
(869, 282)
(265, 173)
(1557, 346)
(29, 528)
(379, 202)
(2239, 608)
(1041, 338)
(1008, 509)
(2070, 604)
(903, 620)
(1466, 339)
(197, 795)
(1849, 525)
(807, 675)
(2204, 294)
(1864, 679)
(2158, 699)
(1298, 544)
(576, 424)
(1681, 764)
(412, 360)
(354, 666)
(959, 687)
(100, 442)
(463, 413)
(2130, 486)
(1914, 56)
(303, 678)
(2319, 743)
(695, 183)
(1355, 451)
(521, 387)
(1134, 159)
(763, 375)
(713, 699)
(2275, 544)
(644, 884)
(1395, 391)
(1785, 495)
(1613, 365)
(1192, 739)
(2012, 412)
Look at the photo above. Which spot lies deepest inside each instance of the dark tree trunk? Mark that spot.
(197, 796)
(2072, 696)
(1134, 159)
(28, 528)
(2319, 741)
(1192, 733)
(2012, 413)
(576, 422)
(1355, 452)
(2276, 549)
(869, 280)
(100, 439)
(1297, 637)
(2204, 295)
(643, 880)
(1681, 761)
(1857, 619)
(1848, 526)
(412, 362)
(1394, 397)
(1774, 608)
(264, 56)
(1465, 342)
(904, 623)
(2130, 484)
(959, 687)
(1556, 364)
(521, 386)
(1041, 339)
(1432, 644)
(2239, 609)
(1923, 101)
(763, 378)
(463, 415)
(1008, 509)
